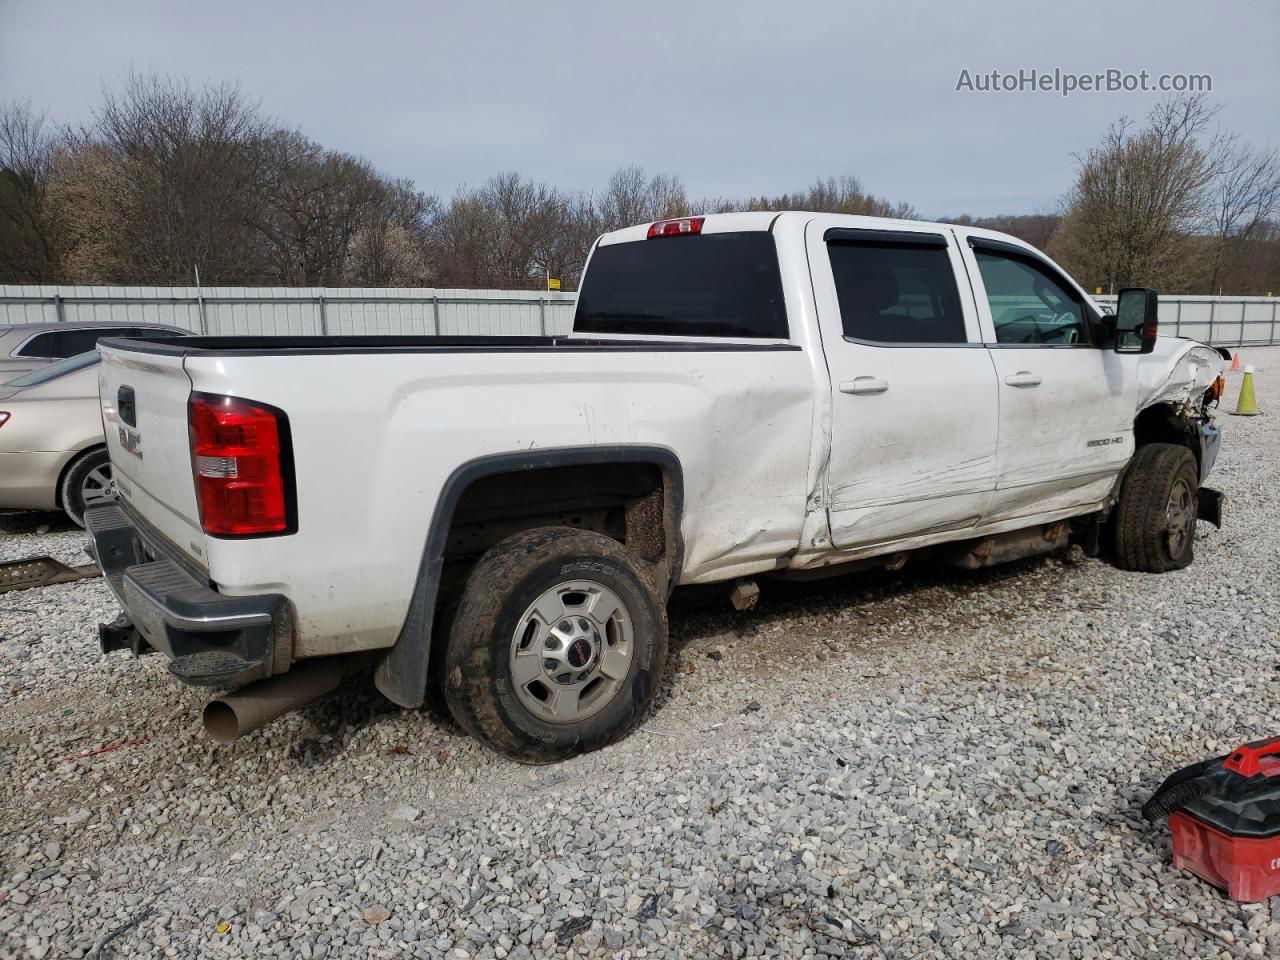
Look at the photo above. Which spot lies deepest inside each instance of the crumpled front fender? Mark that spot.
(1177, 372)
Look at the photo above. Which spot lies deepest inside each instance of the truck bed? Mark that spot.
(377, 425)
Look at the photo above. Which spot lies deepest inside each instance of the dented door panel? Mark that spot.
(913, 425)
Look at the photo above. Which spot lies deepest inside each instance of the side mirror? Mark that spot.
(1136, 320)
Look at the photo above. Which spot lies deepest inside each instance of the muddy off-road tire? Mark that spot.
(87, 479)
(1155, 519)
(557, 645)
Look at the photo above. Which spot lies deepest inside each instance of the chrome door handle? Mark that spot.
(1023, 378)
(864, 385)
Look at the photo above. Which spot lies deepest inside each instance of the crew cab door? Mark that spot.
(1066, 404)
(913, 393)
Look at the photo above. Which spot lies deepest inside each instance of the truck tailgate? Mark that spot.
(144, 413)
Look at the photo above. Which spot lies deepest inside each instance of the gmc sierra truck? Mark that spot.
(502, 520)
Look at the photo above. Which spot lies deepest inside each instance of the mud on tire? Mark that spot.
(530, 632)
(1151, 529)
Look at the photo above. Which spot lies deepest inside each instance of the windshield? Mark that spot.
(55, 370)
(710, 285)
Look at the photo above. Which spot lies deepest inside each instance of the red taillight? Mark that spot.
(683, 227)
(239, 451)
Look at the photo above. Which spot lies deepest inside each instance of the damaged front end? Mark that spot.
(1179, 386)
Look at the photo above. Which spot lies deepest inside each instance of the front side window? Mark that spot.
(705, 285)
(896, 292)
(1029, 305)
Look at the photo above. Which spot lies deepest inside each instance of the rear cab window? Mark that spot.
(702, 285)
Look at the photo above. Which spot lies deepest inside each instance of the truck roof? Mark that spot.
(766, 219)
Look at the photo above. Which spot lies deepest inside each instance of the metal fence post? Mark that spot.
(435, 314)
(59, 308)
(1177, 320)
(542, 316)
(204, 321)
(1244, 312)
(324, 317)
(1212, 304)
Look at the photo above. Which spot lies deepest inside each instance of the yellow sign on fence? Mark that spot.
(553, 283)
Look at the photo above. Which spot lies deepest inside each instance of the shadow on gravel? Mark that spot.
(700, 614)
(29, 522)
(357, 708)
(702, 611)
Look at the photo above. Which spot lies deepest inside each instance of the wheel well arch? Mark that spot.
(634, 490)
(1160, 423)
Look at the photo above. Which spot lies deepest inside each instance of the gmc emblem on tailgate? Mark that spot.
(131, 441)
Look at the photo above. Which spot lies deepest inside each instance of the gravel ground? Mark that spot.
(940, 764)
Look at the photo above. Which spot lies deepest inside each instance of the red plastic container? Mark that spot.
(1247, 868)
(1225, 818)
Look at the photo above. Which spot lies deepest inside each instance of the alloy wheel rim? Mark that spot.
(96, 485)
(571, 651)
(1180, 517)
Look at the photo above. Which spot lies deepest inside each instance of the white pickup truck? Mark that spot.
(503, 519)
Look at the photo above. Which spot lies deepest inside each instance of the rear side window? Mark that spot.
(65, 343)
(896, 292)
(40, 346)
(717, 285)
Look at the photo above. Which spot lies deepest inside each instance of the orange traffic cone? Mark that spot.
(1235, 364)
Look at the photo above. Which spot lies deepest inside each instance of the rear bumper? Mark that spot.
(210, 639)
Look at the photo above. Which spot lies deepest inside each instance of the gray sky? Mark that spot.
(736, 98)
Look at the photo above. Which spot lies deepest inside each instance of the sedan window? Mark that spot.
(55, 370)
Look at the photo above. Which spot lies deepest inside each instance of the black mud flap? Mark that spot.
(1210, 504)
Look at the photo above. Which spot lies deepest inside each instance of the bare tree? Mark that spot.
(314, 204)
(1139, 198)
(1244, 196)
(390, 248)
(832, 195)
(29, 235)
(1035, 228)
(191, 166)
(632, 196)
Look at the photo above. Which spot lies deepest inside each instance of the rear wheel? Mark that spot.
(557, 645)
(86, 480)
(1155, 518)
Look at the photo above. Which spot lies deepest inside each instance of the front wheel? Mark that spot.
(1155, 518)
(557, 645)
(87, 479)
